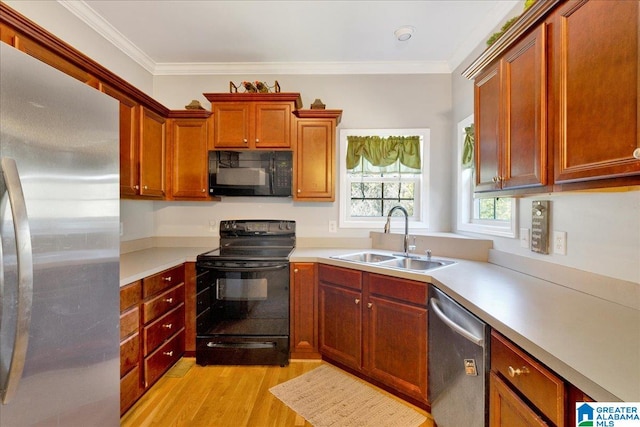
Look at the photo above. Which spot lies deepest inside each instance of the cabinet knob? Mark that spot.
(257, 140)
(494, 179)
(357, 301)
(167, 279)
(369, 305)
(636, 153)
(204, 190)
(245, 140)
(516, 372)
(168, 353)
(299, 190)
(168, 325)
(168, 300)
(295, 270)
(136, 187)
(145, 187)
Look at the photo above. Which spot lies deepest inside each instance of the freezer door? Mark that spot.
(64, 139)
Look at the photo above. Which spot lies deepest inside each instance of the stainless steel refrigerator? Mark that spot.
(59, 270)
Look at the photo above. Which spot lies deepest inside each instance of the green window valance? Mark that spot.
(381, 151)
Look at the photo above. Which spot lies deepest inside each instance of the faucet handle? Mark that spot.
(412, 247)
(428, 252)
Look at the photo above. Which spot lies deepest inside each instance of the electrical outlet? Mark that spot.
(212, 226)
(524, 238)
(333, 227)
(560, 242)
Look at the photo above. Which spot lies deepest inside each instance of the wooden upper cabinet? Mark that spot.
(596, 88)
(129, 143)
(189, 144)
(253, 121)
(314, 172)
(510, 108)
(152, 154)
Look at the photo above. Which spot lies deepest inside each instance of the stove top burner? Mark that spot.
(254, 240)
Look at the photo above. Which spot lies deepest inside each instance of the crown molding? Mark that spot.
(90, 17)
(94, 20)
(279, 68)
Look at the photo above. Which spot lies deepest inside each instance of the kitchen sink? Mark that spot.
(394, 261)
(409, 263)
(366, 257)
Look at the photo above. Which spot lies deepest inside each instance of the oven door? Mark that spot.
(247, 321)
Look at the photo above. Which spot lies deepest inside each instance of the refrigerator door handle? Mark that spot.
(453, 325)
(25, 277)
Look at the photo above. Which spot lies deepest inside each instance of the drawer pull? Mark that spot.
(168, 300)
(168, 325)
(369, 305)
(357, 301)
(168, 353)
(516, 372)
(167, 279)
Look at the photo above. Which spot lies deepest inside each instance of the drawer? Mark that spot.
(162, 328)
(203, 300)
(129, 322)
(164, 280)
(158, 362)
(130, 389)
(340, 276)
(162, 303)
(130, 295)
(129, 353)
(536, 383)
(401, 289)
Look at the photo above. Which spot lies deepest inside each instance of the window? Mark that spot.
(380, 169)
(487, 215)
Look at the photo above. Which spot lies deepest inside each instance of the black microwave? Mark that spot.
(250, 173)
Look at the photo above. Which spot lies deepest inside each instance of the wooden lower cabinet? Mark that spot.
(523, 392)
(375, 325)
(130, 380)
(152, 331)
(303, 340)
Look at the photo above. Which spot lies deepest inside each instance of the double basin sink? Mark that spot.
(396, 261)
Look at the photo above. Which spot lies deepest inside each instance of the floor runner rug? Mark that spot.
(326, 396)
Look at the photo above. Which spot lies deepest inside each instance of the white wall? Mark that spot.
(367, 101)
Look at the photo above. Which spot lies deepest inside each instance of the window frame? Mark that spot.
(421, 197)
(466, 198)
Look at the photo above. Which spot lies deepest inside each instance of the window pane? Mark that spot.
(503, 209)
(366, 208)
(403, 190)
(366, 190)
(407, 204)
(494, 209)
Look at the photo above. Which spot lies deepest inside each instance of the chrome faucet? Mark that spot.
(387, 227)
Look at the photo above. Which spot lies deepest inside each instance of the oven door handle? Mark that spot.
(251, 268)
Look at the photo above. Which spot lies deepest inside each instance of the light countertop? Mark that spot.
(591, 342)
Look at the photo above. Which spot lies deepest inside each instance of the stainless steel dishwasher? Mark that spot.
(458, 363)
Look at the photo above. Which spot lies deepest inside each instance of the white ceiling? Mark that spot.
(293, 37)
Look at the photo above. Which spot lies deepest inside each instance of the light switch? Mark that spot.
(524, 238)
(560, 242)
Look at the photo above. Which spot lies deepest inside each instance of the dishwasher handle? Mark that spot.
(435, 306)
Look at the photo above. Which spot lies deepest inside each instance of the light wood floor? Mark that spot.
(222, 396)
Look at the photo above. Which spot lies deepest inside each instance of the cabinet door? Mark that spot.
(487, 129)
(231, 128)
(152, 154)
(524, 155)
(340, 317)
(506, 409)
(129, 143)
(304, 313)
(315, 160)
(272, 125)
(396, 346)
(596, 75)
(189, 151)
